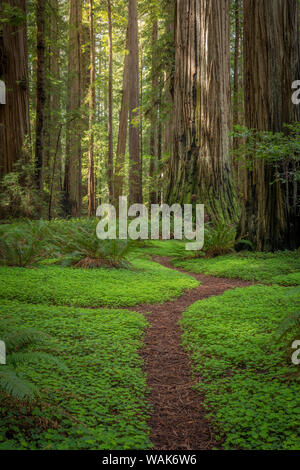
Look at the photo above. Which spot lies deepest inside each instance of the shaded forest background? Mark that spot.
(164, 101)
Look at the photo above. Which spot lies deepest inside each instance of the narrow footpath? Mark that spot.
(178, 419)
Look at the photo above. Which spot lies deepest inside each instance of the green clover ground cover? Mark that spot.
(251, 387)
(99, 401)
(147, 282)
(281, 268)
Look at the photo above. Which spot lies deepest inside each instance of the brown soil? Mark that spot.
(178, 419)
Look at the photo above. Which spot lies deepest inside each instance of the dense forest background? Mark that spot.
(161, 100)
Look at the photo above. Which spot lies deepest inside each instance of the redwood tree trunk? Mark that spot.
(92, 104)
(14, 115)
(270, 217)
(201, 166)
(40, 91)
(72, 183)
(122, 136)
(110, 163)
(135, 167)
(153, 120)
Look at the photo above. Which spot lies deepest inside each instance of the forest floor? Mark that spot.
(172, 354)
(178, 420)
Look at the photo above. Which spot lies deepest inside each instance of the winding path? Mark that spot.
(178, 419)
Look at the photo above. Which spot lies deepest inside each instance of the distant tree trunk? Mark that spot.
(237, 6)
(14, 115)
(92, 104)
(53, 124)
(122, 136)
(169, 79)
(201, 165)
(72, 183)
(236, 86)
(40, 91)
(135, 167)
(110, 166)
(153, 117)
(270, 218)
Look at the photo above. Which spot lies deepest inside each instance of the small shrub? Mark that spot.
(24, 243)
(79, 245)
(17, 343)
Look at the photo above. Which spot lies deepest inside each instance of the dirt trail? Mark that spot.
(178, 420)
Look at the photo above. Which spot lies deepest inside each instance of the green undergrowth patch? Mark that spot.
(250, 385)
(99, 401)
(270, 268)
(171, 248)
(147, 282)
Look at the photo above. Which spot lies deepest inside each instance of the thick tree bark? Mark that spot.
(53, 124)
(72, 183)
(110, 163)
(92, 104)
(153, 117)
(122, 136)
(14, 115)
(40, 91)
(201, 166)
(237, 7)
(270, 217)
(135, 166)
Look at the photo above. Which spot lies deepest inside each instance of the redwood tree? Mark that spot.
(270, 217)
(135, 167)
(200, 168)
(14, 115)
(40, 91)
(72, 183)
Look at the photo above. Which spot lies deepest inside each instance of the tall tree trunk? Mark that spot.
(14, 115)
(40, 91)
(271, 63)
(72, 183)
(169, 78)
(92, 104)
(110, 166)
(135, 167)
(237, 7)
(153, 117)
(53, 124)
(201, 165)
(122, 136)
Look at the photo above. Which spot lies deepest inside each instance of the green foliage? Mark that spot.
(251, 386)
(18, 194)
(10, 15)
(147, 282)
(99, 400)
(24, 243)
(10, 382)
(279, 268)
(278, 147)
(291, 323)
(219, 239)
(78, 242)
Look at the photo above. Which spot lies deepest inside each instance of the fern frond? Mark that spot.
(16, 386)
(22, 338)
(36, 357)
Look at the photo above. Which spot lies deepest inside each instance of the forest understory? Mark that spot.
(130, 131)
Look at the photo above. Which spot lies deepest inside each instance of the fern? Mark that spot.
(10, 382)
(18, 358)
(78, 244)
(25, 243)
(15, 386)
(22, 338)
